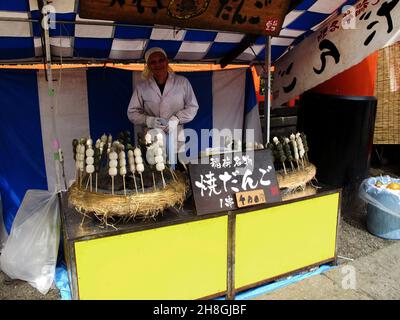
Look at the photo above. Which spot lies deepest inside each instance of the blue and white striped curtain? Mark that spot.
(90, 102)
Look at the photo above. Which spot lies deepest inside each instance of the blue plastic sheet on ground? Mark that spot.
(62, 282)
(252, 293)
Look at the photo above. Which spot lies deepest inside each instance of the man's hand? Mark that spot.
(153, 122)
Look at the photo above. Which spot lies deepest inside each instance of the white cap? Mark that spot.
(153, 50)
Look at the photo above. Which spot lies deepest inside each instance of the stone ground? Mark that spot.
(377, 262)
(377, 277)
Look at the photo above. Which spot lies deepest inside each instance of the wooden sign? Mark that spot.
(255, 16)
(217, 183)
(250, 198)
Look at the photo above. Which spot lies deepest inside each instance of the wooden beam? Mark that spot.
(293, 4)
(247, 41)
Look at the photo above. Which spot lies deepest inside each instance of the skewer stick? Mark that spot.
(154, 181)
(91, 189)
(284, 168)
(306, 157)
(112, 184)
(184, 166)
(134, 181)
(172, 174)
(87, 183)
(123, 178)
(80, 179)
(163, 180)
(141, 178)
(96, 180)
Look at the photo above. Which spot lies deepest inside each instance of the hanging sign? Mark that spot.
(250, 198)
(234, 180)
(340, 43)
(255, 16)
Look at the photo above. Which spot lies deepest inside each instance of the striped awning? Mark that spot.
(75, 39)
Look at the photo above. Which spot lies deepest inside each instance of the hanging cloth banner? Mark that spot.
(256, 17)
(340, 43)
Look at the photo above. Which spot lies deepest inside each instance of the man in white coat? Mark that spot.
(163, 100)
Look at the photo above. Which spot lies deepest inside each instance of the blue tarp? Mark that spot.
(270, 287)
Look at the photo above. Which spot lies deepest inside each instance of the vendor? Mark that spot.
(163, 100)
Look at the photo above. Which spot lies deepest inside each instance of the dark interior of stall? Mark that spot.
(340, 133)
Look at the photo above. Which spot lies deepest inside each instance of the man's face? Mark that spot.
(158, 64)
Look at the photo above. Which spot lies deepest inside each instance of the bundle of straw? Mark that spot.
(141, 205)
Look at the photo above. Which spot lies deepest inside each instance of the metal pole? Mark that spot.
(50, 91)
(267, 81)
(231, 256)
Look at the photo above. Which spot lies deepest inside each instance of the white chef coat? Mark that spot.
(177, 99)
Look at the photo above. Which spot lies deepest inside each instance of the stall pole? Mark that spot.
(50, 91)
(267, 82)
(231, 256)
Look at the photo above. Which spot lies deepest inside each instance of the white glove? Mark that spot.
(153, 122)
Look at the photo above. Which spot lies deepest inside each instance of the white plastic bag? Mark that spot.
(30, 252)
(3, 231)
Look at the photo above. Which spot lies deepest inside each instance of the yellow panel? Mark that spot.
(274, 241)
(184, 261)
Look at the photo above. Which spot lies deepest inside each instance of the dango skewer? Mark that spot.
(132, 168)
(90, 161)
(150, 156)
(112, 171)
(295, 149)
(122, 168)
(139, 164)
(81, 159)
(160, 166)
(301, 148)
(281, 153)
(75, 146)
(288, 152)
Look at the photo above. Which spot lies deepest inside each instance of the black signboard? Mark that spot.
(217, 182)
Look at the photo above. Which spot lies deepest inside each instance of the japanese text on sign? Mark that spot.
(254, 16)
(215, 184)
(250, 198)
(340, 43)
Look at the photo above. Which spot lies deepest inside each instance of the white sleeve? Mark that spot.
(135, 109)
(191, 106)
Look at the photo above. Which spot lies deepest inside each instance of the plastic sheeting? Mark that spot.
(30, 253)
(252, 293)
(3, 232)
(62, 282)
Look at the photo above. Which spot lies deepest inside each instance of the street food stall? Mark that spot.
(238, 215)
(182, 255)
